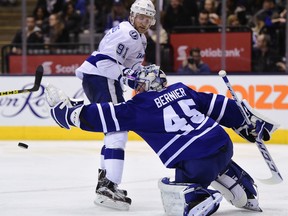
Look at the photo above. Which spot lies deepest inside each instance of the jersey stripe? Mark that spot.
(114, 117)
(189, 143)
(222, 110)
(93, 59)
(102, 118)
(179, 135)
(171, 142)
(212, 103)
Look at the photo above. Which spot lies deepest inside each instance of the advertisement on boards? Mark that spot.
(267, 94)
(238, 55)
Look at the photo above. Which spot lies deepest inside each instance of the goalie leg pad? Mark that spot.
(234, 170)
(237, 187)
(173, 202)
(231, 191)
(201, 201)
(188, 199)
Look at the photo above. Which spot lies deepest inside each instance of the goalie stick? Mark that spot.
(37, 82)
(276, 176)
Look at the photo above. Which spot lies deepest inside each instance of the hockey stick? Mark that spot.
(37, 82)
(276, 176)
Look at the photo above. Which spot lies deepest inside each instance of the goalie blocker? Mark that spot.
(249, 132)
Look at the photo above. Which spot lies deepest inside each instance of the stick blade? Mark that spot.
(275, 179)
(38, 78)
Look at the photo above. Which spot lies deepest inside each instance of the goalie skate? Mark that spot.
(253, 205)
(109, 196)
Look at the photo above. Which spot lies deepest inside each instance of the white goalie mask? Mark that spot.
(153, 78)
(145, 7)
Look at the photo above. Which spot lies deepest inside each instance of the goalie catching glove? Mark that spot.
(250, 132)
(59, 103)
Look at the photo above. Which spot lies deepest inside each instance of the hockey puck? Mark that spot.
(23, 145)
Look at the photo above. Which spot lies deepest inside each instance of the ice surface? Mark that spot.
(58, 178)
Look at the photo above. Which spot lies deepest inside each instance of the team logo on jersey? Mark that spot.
(134, 34)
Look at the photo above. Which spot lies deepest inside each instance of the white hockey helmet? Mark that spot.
(153, 78)
(145, 7)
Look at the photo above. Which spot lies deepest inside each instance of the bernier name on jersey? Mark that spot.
(169, 96)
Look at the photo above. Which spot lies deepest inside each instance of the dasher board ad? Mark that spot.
(237, 55)
(267, 94)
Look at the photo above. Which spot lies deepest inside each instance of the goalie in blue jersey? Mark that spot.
(184, 128)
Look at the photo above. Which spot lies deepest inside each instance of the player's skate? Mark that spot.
(101, 177)
(108, 195)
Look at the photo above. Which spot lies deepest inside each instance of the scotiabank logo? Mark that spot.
(47, 65)
(258, 96)
(210, 53)
(65, 69)
(216, 53)
(238, 55)
(49, 68)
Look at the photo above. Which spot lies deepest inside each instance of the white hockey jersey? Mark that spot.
(122, 47)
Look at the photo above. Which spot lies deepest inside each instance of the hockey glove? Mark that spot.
(130, 76)
(250, 132)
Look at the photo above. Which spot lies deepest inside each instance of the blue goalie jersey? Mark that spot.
(178, 123)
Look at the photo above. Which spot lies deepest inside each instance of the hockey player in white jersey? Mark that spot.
(184, 129)
(119, 56)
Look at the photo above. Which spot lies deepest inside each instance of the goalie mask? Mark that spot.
(151, 78)
(144, 7)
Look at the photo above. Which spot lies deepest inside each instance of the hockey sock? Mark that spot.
(114, 164)
(102, 161)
